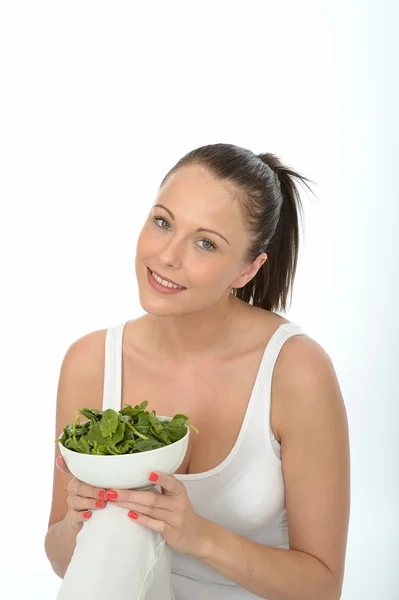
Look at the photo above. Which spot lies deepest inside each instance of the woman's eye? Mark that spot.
(160, 219)
(211, 245)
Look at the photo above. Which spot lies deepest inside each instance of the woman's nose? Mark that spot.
(171, 254)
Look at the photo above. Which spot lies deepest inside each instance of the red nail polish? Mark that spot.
(111, 495)
(132, 514)
(101, 494)
(87, 515)
(153, 477)
(100, 504)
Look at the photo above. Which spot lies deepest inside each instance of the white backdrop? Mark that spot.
(99, 100)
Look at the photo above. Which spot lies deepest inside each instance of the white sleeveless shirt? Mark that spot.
(244, 493)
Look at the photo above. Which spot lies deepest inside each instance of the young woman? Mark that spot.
(260, 506)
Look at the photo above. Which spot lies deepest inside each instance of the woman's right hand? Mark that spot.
(82, 498)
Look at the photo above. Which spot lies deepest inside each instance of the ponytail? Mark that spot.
(272, 286)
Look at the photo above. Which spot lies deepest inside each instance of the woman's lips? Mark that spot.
(159, 287)
(166, 279)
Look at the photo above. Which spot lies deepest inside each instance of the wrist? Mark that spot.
(205, 540)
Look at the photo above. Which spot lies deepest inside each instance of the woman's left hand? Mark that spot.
(169, 512)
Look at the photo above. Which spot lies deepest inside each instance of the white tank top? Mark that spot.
(244, 493)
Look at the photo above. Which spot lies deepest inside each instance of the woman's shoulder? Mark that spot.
(92, 343)
(299, 349)
(301, 355)
(88, 351)
(303, 371)
(88, 347)
(266, 323)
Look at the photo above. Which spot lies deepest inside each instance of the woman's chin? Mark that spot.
(160, 307)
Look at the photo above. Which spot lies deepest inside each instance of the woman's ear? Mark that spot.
(249, 272)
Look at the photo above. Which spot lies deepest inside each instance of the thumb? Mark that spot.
(61, 464)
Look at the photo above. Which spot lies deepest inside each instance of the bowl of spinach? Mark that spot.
(111, 449)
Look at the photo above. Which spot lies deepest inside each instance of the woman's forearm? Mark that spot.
(60, 544)
(272, 573)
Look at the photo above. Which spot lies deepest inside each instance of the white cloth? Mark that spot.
(116, 557)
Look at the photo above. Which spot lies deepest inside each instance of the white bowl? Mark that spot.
(126, 471)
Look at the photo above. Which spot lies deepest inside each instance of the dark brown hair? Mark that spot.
(271, 207)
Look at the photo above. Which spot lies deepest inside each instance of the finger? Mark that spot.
(61, 465)
(143, 498)
(79, 488)
(158, 514)
(80, 504)
(79, 516)
(169, 484)
(149, 522)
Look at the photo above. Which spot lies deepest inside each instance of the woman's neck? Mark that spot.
(198, 335)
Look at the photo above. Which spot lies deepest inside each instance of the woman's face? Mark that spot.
(207, 263)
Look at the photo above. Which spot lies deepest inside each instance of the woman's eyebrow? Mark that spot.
(199, 228)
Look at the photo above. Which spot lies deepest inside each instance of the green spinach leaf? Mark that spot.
(128, 431)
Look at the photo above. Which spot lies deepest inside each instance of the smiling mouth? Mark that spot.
(152, 273)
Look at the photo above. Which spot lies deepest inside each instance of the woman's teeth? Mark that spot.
(166, 283)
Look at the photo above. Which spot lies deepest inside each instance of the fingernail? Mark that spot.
(101, 494)
(153, 477)
(132, 514)
(87, 515)
(100, 504)
(111, 495)
(59, 461)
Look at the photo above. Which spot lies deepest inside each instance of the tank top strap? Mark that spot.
(112, 395)
(280, 336)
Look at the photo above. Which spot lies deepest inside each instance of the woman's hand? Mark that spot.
(169, 512)
(82, 498)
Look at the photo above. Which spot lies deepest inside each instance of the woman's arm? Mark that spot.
(60, 544)
(272, 573)
(316, 468)
(79, 384)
